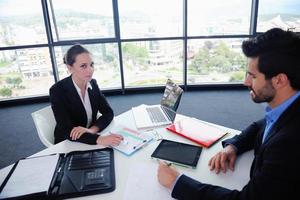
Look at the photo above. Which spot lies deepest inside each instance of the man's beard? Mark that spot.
(265, 94)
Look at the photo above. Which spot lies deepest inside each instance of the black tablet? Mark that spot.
(177, 152)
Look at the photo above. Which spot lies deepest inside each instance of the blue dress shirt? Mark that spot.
(272, 115)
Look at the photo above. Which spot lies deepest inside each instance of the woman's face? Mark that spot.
(83, 67)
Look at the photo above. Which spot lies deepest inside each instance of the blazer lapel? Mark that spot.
(74, 98)
(93, 100)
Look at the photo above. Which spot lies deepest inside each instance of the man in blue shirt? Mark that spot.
(273, 76)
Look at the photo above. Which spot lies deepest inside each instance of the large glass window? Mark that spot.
(283, 14)
(148, 19)
(151, 35)
(215, 60)
(105, 57)
(150, 63)
(21, 23)
(218, 17)
(79, 19)
(25, 72)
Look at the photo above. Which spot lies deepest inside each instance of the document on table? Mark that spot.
(133, 140)
(32, 175)
(142, 183)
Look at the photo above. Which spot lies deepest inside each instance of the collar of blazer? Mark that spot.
(92, 92)
(286, 116)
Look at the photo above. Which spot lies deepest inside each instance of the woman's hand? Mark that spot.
(78, 131)
(110, 140)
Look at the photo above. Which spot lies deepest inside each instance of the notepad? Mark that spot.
(133, 140)
(197, 131)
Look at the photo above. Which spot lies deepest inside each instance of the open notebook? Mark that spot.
(157, 115)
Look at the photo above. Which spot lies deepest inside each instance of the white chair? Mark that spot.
(45, 123)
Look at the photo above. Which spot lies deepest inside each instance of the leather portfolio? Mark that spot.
(58, 176)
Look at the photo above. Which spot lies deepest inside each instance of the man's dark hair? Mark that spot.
(69, 58)
(278, 51)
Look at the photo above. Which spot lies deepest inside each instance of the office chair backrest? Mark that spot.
(45, 123)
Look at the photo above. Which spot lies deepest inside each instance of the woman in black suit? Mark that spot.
(76, 101)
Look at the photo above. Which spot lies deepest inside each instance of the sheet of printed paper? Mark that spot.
(142, 183)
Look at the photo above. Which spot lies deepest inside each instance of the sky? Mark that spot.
(288, 6)
(8, 7)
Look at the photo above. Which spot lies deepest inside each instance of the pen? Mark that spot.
(134, 147)
(168, 164)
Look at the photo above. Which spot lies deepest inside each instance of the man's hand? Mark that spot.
(223, 159)
(166, 175)
(112, 139)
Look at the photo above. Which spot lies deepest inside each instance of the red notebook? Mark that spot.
(197, 131)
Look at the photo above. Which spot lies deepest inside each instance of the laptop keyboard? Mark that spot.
(155, 115)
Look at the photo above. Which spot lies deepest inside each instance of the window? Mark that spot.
(142, 45)
(78, 19)
(25, 72)
(149, 19)
(218, 17)
(282, 14)
(215, 60)
(149, 63)
(21, 23)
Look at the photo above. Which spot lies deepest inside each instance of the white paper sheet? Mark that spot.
(31, 176)
(142, 183)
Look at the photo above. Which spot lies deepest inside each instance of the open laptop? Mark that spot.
(157, 115)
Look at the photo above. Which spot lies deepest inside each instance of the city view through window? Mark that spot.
(150, 35)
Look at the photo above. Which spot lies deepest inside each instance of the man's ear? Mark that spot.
(280, 80)
(69, 68)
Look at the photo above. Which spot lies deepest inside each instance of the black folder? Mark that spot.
(77, 173)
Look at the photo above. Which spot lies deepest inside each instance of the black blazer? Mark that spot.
(275, 169)
(69, 111)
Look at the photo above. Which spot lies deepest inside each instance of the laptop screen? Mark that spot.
(172, 95)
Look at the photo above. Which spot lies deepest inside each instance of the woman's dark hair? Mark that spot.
(278, 51)
(71, 54)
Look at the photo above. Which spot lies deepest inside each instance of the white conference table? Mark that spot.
(123, 164)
